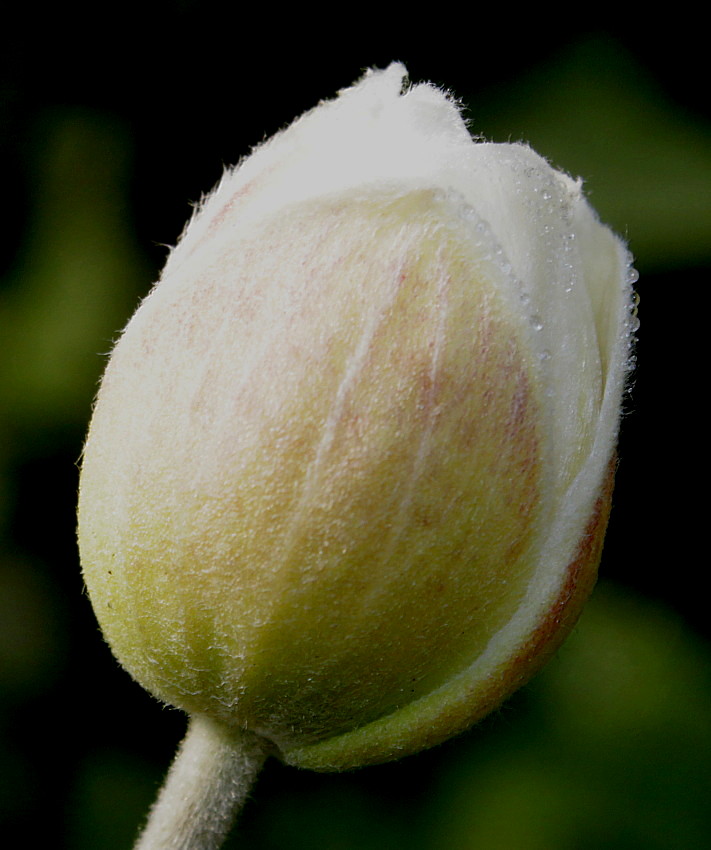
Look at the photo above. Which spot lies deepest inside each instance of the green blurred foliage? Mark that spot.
(614, 751)
(645, 161)
(75, 274)
(108, 799)
(608, 748)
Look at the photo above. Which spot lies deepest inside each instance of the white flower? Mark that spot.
(349, 470)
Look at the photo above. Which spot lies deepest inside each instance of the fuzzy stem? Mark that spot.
(206, 787)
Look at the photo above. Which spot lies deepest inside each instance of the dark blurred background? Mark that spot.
(111, 122)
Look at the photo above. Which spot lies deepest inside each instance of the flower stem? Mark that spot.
(205, 788)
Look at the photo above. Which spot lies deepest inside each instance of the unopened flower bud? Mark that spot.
(349, 470)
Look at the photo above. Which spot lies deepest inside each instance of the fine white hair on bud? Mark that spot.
(349, 469)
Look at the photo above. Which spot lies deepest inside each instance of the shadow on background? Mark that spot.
(103, 140)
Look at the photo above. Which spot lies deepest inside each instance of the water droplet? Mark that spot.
(537, 323)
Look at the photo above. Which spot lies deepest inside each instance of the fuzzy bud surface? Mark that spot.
(349, 469)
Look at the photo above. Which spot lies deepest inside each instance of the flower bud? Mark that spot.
(350, 465)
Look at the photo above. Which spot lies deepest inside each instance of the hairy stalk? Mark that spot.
(205, 788)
